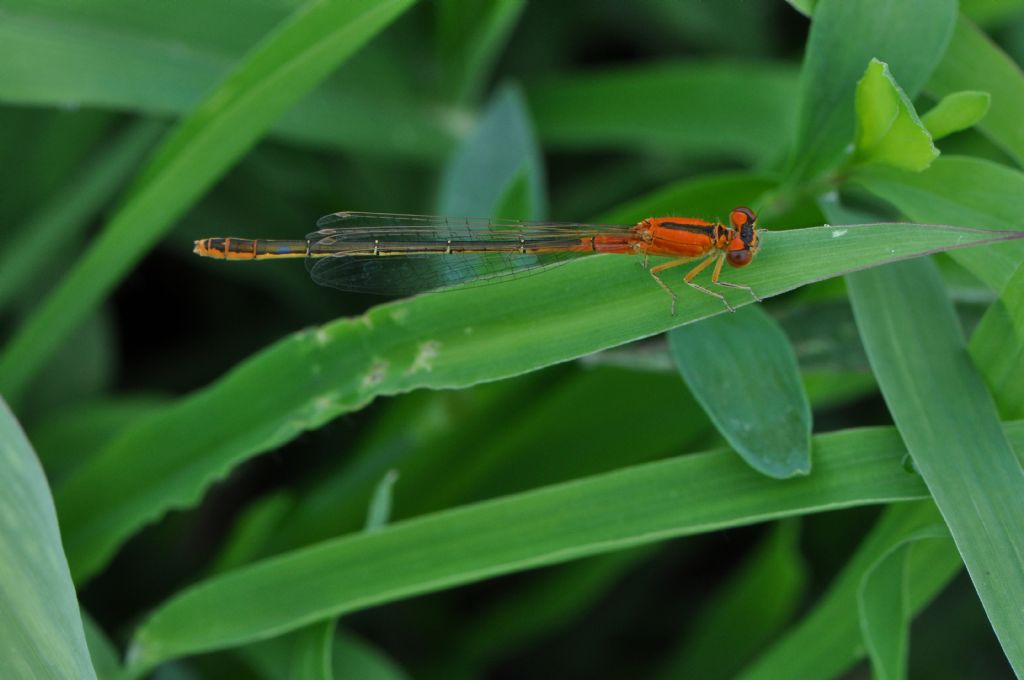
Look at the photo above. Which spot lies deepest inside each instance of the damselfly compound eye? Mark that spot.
(741, 217)
(739, 258)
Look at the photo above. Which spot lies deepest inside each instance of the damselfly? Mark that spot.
(393, 254)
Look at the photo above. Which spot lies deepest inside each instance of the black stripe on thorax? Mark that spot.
(703, 229)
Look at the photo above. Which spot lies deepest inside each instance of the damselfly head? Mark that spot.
(745, 242)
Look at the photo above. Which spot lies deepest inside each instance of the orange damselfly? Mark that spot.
(403, 254)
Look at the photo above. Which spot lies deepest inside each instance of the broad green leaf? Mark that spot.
(965, 191)
(949, 421)
(888, 129)
(69, 437)
(884, 618)
(251, 532)
(991, 11)
(81, 370)
(41, 632)
(631, 506)
(471, 35)
(311, 659)
(738, 30)
(380, 504)
(169, 56)
(805, 7)
(492, 159)
(354, 658)
(720, 109)
(728, 630)
(516, 201)
(712, 197)
(30, 258)
(883, 601)
(997, 347)
(521, 459)
(828, 640)
(974, 62)
(909, 35)
(957, 111)
(553, 600)
(709, 197)
(419, 434)
(828, 389)
(805, 652)
(311, 648)
(824, 336)
(48, 148)
(106, 660)
(735, 364)
(453, 339)
(314, 644)
(350, 657)
(429, 445)
(288, 64)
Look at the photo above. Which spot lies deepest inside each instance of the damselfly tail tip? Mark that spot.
(206, 248)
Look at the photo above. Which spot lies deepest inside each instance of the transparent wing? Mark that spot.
(482, 227)
(412, 274)
(349, 235)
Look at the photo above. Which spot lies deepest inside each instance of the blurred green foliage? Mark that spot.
(254, 476)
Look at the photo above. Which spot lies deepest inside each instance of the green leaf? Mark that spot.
(997, 347)
(516, 201)
(80, 370)
(453, 339)
(884, 617)
(471, 35)
(311, 659)
(48, 147)
(492, 159)
(522, 458)
(354, 658)
(735, 364)
(252, 531)
(883, 601)
(553, 599)
(738, 30)
(168, 57)
(888, 129)
(106, 659)
(974, 62)
(631, 506)
(952, 429)
(726, 632)
(909, 35)
(350, 657)
(991, 11)
(380, 505)
(805, 7)
(23, 261)
(709, 197)
(421, 434)
(964, 191)
(41, 632)
(828, 639)
(68, 438)
(957, 111)
(288, 64)
(828, 389)
(744, 110)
